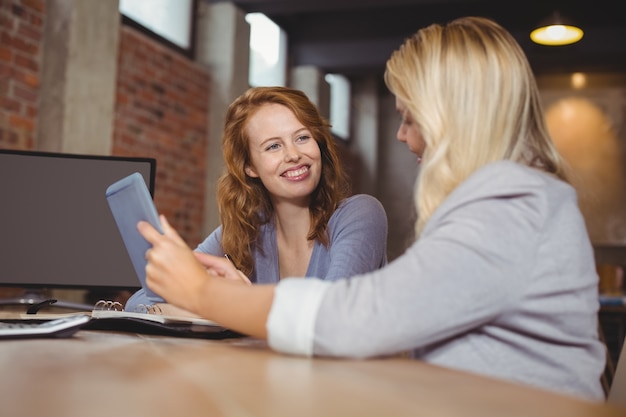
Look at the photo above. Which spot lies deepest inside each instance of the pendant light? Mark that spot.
(556, 31)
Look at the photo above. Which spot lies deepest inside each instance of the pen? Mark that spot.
(241, 274)
(230, 259)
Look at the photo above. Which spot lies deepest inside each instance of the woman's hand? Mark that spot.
(195, 282)
(177, 273)
(172, 270)
(219, 268)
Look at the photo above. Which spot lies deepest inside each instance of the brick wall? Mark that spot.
(161, 108)
(162, 112)
(21, 28)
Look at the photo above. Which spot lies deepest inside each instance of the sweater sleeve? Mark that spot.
(212, 244)
(291, 322)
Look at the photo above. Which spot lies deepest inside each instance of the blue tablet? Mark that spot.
(130, 202)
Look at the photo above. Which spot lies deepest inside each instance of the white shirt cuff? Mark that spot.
(291, 321)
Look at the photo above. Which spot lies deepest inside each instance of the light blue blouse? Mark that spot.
(357, 244)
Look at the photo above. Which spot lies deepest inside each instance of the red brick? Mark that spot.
(28, 31)
(26, 78)
(27, 94)
(5, 54)
(21, 123)
(26, 62)
(6, 24)
(36, 5)
(23, 45)
(10, 105)
(32, 112)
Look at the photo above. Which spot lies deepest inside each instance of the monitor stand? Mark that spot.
(37, 299)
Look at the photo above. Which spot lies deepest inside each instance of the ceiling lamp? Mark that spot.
(556, 31)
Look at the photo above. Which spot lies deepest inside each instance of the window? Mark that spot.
(268, 51)
(339, 104)
(171, 20)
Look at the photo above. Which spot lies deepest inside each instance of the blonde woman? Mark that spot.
(500, 280)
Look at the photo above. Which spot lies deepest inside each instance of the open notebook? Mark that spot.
(109, 315)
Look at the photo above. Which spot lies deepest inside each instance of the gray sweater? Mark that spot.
(501, 282)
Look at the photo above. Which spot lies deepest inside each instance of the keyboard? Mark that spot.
(61, 327)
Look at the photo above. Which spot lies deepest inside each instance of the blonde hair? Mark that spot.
(471, 91)
(244, 202)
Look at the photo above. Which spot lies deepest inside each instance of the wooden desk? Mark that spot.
(115, 374)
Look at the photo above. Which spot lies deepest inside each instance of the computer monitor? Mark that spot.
(56, 228)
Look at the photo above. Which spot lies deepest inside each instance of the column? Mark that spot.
(365, 116)
(311, 81)
(223, 38)
(79, 70)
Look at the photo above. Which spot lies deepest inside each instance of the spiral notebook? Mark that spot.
(109, 315)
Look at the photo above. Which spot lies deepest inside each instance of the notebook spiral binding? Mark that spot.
(150, 319)
(117, 306)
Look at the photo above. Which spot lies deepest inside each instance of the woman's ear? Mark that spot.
(250, 172)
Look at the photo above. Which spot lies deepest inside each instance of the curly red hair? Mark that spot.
(244, 202)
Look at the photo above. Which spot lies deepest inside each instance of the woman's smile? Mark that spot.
(296, 173)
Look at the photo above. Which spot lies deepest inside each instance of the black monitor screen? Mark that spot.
(56, 229)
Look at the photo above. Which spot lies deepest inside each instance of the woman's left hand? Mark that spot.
(221, 267)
